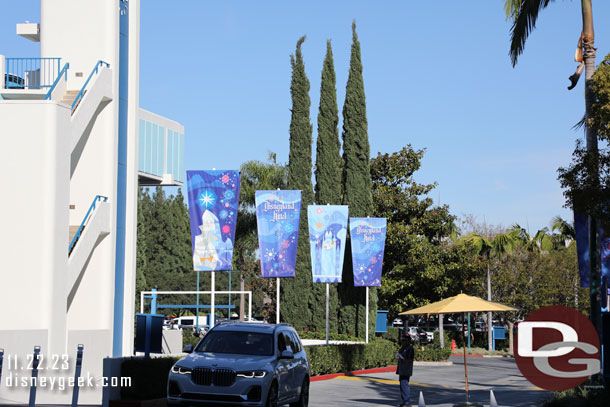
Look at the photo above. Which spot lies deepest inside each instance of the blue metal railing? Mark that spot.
(33, 73)
(85, 219)
(95, 70)
(64, 71)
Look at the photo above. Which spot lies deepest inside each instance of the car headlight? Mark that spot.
(181, 369)
(252, 374)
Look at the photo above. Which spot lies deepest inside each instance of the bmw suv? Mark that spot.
(243, 364)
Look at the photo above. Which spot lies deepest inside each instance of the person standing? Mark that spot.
(405, 357)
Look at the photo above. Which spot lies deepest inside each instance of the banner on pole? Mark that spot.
(368, 242)
(327, 238)
(581, 227)
(277, 217)
(213, 200)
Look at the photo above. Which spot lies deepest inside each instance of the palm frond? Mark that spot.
(518, 233)
(511, 8)
(524, 22)
(563, 227)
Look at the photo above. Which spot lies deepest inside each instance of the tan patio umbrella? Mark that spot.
(461, 303)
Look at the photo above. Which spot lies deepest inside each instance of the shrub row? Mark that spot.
(347, 358)
(332, 336)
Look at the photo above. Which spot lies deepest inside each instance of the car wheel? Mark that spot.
(272, 396)
(304, 398)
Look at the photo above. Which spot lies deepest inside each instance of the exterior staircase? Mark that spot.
(73, 231)
(69, 97)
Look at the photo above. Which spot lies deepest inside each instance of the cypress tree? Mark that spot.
(297, 291)
(357, 192)
(328, 159)
(328, 154)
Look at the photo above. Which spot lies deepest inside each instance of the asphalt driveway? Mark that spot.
(441, 386)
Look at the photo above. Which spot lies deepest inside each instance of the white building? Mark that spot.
(75, 147)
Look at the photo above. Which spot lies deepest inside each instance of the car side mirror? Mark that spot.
(287, 354)
(188, 349)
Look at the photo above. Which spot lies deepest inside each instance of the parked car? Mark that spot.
(397, 322)
(189, 322)
(417, 335)
(242, 363)
(480, 326)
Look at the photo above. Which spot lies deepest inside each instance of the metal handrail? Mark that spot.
(94, 71)
(82, 225)
(64, 71)
(47, 68)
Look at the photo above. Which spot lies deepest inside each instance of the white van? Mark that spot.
(188, 322)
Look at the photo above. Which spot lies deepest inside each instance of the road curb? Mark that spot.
(386, 369)
(446, 363)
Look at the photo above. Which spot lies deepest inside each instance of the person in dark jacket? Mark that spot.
(405, 357)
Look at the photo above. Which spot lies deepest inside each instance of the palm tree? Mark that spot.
(489, 248)
(524, 14)
(567, 233)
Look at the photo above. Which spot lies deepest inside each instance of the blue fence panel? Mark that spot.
(31, 73)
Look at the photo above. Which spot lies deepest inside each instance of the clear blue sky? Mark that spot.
(437, 76)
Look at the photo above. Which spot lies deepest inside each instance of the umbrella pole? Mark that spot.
(465, 364)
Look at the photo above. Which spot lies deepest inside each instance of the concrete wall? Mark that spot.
(34, 248)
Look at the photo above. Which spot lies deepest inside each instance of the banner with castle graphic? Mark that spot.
(327, 238)
(368, 242)
(213, 200)
(277, 217)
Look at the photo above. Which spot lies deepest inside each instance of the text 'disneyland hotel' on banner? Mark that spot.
(277, 217)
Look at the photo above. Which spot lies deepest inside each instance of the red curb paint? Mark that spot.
(375, 370)
(325, 377)
(354, 373)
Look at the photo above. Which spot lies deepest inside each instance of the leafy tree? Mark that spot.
(305, 310)
(164, 247)
(356, 192)
(420, 265)
(490, 249)
(143, 233)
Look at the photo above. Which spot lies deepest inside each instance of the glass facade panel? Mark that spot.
(160, 151)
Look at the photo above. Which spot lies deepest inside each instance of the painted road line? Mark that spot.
(386, 381)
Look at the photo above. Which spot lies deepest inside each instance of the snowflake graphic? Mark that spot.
(207, 199)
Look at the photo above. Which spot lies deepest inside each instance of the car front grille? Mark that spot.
(218, 377)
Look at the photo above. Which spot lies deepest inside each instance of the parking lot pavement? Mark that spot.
(441, 386)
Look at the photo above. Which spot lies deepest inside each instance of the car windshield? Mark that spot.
(242, 343)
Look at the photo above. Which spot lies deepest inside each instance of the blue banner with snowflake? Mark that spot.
(277, 217)
(368, 242)
(213, 200)
(327, 237)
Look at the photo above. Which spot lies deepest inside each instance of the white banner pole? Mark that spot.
(367, 315)
(142, 302)
(327, 294)
(250, 306)
(277, 314)
(213, 284)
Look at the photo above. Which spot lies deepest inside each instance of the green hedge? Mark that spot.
(432, 354)
(392, 334)
(347, 358)
(307, 334)
(148, 377)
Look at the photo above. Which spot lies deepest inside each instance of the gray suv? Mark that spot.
(246, 364)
